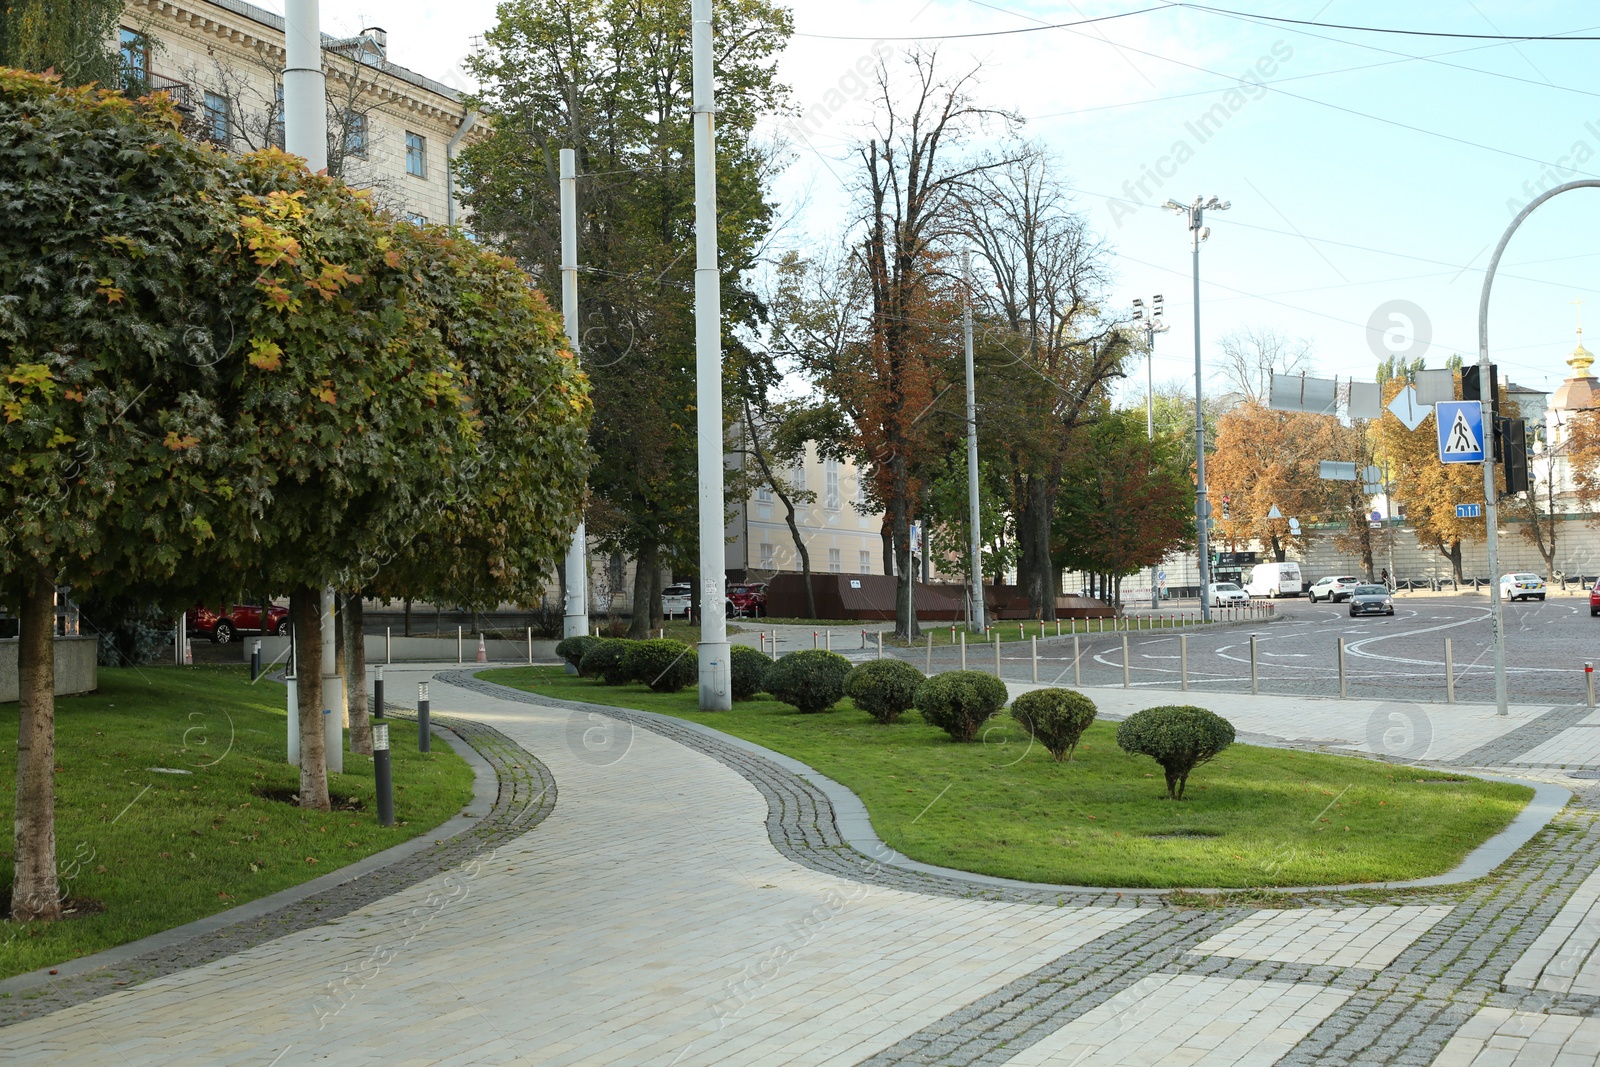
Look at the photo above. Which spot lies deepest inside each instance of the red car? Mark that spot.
(1594, 600)
(748, 598)
(222, 626)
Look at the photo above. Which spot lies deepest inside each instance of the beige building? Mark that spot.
(840, 537)
(390, 129)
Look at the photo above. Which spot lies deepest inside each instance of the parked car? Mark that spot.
(234, 619)
(1275, 580)
(747, 598)
(1521, 587)
(675, 600)
(1334, 589)
(1228, 595)
(1371, 600)
(1594, 599)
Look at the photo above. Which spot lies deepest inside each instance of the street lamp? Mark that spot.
(1152, 322)
(1198, 231)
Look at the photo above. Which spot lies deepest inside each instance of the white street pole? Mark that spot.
(974, 522)
(1491, 510)
(715, 693)
(576, 620)
(1153, 324)
(305, 134)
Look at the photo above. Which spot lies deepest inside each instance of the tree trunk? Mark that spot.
(1453, 553)
(1033, 541)
(655, 598)
(887, 533)
(341, 658)
(644, 566)
(408, 617)
(305, 607)
(905, 625)
(355, 674)
(805, 556)
(35, 894)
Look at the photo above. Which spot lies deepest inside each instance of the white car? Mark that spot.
(675, 600)
(1334, 589)
(1228, 595)
(1521, 587)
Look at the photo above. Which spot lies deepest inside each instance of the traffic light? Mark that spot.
(1472, 387)
(1515, 451)
(1224, 509)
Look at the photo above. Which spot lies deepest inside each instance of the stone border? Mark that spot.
(512, 793)
(847, 816)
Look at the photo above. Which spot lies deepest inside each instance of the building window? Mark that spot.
(797, 473)
(866, 562)
(834, 565)
(416, 220)
(135, 60)
(355, 134)
(861, 490)
(830, 480)
(416, 154)
(275, 125)
(217, 119)
(766, 556)
(763, 494)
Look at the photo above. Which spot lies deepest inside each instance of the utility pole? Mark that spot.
(1198, 231)
(575, 622)
(973, 520)
(305, 134)
(1152, 323)
(716, 693)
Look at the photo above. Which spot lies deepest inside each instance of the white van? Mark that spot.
(1275, 580)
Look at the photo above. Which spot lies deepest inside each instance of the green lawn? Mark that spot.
(1256, 817)
(147, 850)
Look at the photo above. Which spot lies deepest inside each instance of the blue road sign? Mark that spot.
(1469, 511)
(1460, 424)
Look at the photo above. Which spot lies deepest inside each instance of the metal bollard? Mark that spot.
(814, 645)
(1183, 661)
(377, 694)
(1588, 676)
(1254, 686)
(880, 644)
(255, 661)
(382, 773)
(388, 644)
(1035, 642)
(1077, 671)
(929, 667)
(1058, 627)
(1343, 692)
(997, 653)
(422, 717)
(1449, 674)
(530, 645)
(963, 650)
(827, 640)
(1124, 661)
(773, 641)
(458, 646)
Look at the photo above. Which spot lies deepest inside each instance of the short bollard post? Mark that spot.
(1254, 685)
(1449, 674)
(772, 640)
(458, 646)
(422, 717)
(1588, 676)
(1183, 661)
(377, 694)
(1035, 642)
(997, 653)
(929, 668)
(1058, 627)
(963, 650)
(1343, 692)
(255, 661)
(530, 646)
(880, 644)
(382, 773)
(388, 644)
(1077, 670)
(814, 645)
(863, 640)
(1124, 661)
(827, 640)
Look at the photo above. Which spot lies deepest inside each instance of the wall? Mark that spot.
(1577, 552)
(76, 670)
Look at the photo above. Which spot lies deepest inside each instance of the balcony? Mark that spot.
(137, 83)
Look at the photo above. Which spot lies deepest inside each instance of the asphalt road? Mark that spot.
(1398, 658)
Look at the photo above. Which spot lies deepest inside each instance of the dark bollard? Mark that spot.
(422, 717)
(377, 695)
(382, 773)
(255, 662)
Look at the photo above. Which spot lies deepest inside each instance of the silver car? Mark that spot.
(1371, 600)
(1334, 588)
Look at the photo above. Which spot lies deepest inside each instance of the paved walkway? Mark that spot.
(687, 903)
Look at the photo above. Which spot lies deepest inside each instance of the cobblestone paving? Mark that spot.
(526, 795)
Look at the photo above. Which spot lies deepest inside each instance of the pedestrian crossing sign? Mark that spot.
(1460, 424)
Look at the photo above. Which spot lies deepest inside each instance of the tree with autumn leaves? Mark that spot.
(227, 374)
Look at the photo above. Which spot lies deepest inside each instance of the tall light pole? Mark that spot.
(975, 537)
(1152, 321)
(716, 694)
(1198, 231)
(575, 620)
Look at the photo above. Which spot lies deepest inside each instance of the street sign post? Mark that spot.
(1469, 511)
(1460, 425)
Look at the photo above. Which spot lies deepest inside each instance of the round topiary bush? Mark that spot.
(604, 661)
(811, 680)
(1177, 736)
(1056, 718)
(746, 669)
(883, 688)
(572, 649)
(663, 664)
(960, 702)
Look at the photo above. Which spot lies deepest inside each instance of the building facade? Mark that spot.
(841, 533)
(390, 130)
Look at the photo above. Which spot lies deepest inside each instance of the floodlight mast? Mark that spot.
(1152, 322)
(1195, 217)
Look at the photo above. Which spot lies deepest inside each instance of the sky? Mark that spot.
(1370, 175)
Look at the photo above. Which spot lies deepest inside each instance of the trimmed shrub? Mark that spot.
(604, 661)
(746, 669)
(663, 664)
(1177, 736)
(1056, 718)
(811, 680)
(572, 649)
(883, 688)
(960, 702)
